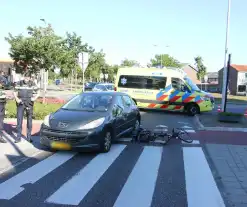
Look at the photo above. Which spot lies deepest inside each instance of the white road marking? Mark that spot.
(200, 185)
(139, 188)
(190, 131)
(125, 139)
(159, 141)
(13, 186)
(193, 142)
(74, 190)
(186, 127)
(20, 162)
(161, 126)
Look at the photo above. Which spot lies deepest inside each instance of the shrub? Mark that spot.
(39, 112)
(230, 114)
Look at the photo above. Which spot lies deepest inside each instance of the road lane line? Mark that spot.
(125, 139)
(12, 186)
(200, 184)
(193, 142)
(20, 161)
(190, 131)
(139, 188)
(74, 190)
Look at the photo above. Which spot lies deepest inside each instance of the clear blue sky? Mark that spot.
(129, 28)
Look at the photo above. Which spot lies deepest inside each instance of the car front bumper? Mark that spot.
(71, 140)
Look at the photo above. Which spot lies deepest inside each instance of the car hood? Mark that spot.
(206, 94)
(73, 119)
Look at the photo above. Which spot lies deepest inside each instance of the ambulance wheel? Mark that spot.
(192, 109)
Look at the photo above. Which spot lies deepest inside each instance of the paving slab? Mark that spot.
(229, 166)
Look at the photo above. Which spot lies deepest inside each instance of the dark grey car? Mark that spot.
(90, 120)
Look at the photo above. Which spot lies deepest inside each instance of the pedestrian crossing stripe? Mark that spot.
(138, 188)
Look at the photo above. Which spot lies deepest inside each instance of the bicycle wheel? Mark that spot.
(184, 136)
(162, 139)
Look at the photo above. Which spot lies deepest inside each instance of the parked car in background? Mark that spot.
(104, 87)
(90, 120)
(89, 86)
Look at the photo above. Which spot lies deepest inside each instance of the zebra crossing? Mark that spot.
(129, 175)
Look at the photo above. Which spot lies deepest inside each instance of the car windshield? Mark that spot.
(110, 87)
(90, 84)
(191, 84)
(89, 102)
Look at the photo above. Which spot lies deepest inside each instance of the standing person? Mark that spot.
(26, 92)
(2, 114)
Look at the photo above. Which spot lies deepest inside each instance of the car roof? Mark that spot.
(112, 93)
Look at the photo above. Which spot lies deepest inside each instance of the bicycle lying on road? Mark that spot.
(144, 135)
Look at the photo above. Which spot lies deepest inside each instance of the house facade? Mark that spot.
(237, 79)
(191, 72)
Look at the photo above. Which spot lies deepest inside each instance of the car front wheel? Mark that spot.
(106, 142)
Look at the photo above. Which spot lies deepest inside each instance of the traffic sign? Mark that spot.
(83, 59)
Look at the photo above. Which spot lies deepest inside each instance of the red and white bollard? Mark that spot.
(245, 113)
(219, 108)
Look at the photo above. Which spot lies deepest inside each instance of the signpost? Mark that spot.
(83, 60)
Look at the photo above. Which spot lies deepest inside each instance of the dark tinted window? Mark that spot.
(241, 88)
(110, 87)
(176, 83)
(101, 87)
(142, 82)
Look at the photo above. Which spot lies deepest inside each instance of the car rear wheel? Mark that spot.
(193, 109)
(106, 143)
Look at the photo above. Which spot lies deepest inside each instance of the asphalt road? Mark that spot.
(130, 174)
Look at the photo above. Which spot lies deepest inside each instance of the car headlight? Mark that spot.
(46, 121)
(94, 124)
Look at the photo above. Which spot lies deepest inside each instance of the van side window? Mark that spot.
(142, 82)
(177, 83)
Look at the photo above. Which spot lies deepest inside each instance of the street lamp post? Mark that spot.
(224, 88)
(206, 81)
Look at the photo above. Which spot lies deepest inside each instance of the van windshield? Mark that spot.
(191, 84)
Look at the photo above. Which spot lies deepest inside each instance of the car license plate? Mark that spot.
(61, 145)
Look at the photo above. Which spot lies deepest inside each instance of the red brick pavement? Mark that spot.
(220, 137)
(10, 127)
(205, 137)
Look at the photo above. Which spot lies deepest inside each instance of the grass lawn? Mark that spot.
(230, 98)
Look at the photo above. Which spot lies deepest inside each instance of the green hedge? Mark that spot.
(40, 110)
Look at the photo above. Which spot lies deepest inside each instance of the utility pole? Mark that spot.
(224, 88)
(83, 61)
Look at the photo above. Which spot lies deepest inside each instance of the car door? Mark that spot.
(130, 110)
(119, 113)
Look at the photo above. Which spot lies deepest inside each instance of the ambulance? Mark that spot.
(163, 89)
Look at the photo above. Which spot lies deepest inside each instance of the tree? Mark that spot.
(43, 49)
(129, 63)
(202, 70)
(95, 66)
(72, 45)
(39, 50)
(166, 60)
